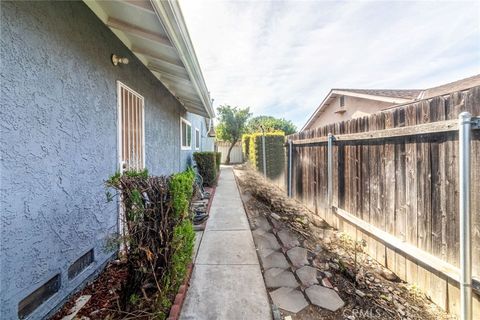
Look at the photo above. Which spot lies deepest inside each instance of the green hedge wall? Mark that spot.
(246, 145)
(274, 151)
(207, 166)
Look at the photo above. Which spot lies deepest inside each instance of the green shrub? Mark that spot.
(274, 152)
(183, 242)
(207, 167)
(181, 190)
(218, 160)
(246, 145)
(158, 240)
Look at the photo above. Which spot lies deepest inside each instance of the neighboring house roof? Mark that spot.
(394, 96)
(393, 93)
(391, 96)
(155, 31)
(459, 85)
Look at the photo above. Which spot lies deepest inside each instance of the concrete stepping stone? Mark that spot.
(307, 275)
(258, 232)
(324, 298)
(260, 222)
(265, 241)
(298, 256)
(263, 253)
(289, 299)
(276, 278)
(288, 239)
(273, 259)
(277, 225)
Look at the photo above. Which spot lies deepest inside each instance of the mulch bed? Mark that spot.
(105, 294)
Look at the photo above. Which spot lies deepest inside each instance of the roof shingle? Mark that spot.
(393, 93)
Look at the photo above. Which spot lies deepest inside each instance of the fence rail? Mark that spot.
(397, 172)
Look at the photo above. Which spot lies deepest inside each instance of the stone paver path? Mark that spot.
(292, 283)
(227, 282)
(324, 298)
(289, 299)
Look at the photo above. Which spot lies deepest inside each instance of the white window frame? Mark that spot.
(188, 123)
(120, 141)
(197, 140)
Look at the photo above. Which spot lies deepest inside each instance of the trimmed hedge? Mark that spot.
(218, 159)
(207, 166)
(274, 152)
(246, 145)
(158, 239)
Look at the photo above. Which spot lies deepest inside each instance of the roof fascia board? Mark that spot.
(171, 17)
(371, 97)
(317, 111)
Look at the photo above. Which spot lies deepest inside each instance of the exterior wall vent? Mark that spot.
(80, 264)
(39, 296)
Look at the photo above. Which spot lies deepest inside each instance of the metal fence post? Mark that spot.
(290, 168)
(330, 169)
(465, 121)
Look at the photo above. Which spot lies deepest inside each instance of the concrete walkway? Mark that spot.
(227, 282)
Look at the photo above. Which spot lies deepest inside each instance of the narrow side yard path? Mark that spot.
(227, 282)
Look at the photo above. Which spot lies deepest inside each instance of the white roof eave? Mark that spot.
(171, 17)
(169, 55)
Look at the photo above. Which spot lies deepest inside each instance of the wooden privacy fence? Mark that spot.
(236, 155)
(395, 185)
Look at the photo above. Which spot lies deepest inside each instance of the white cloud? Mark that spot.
(281, 58)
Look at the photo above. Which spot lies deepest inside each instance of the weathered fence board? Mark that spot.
(399, 180)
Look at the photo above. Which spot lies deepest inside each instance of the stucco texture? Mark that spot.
(58, 144)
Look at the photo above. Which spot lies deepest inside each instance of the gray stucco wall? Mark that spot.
(206, 143)
(58, 122)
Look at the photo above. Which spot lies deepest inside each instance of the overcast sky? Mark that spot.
(282, 58)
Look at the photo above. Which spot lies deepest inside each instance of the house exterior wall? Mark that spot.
(58, 127)
(206, 143)
(354, 108)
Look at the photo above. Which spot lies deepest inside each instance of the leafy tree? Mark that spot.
(232, 122)
(271, 124)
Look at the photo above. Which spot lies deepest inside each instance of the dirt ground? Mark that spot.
(105, 294)
(369, 290)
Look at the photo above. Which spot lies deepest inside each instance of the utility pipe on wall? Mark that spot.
(465, 123)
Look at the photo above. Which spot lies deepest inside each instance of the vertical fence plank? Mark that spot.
(438, 284)
(380, 164)
(453, 107)
(400, 194)
(424, 212)
(411, 190)
(389, 208)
